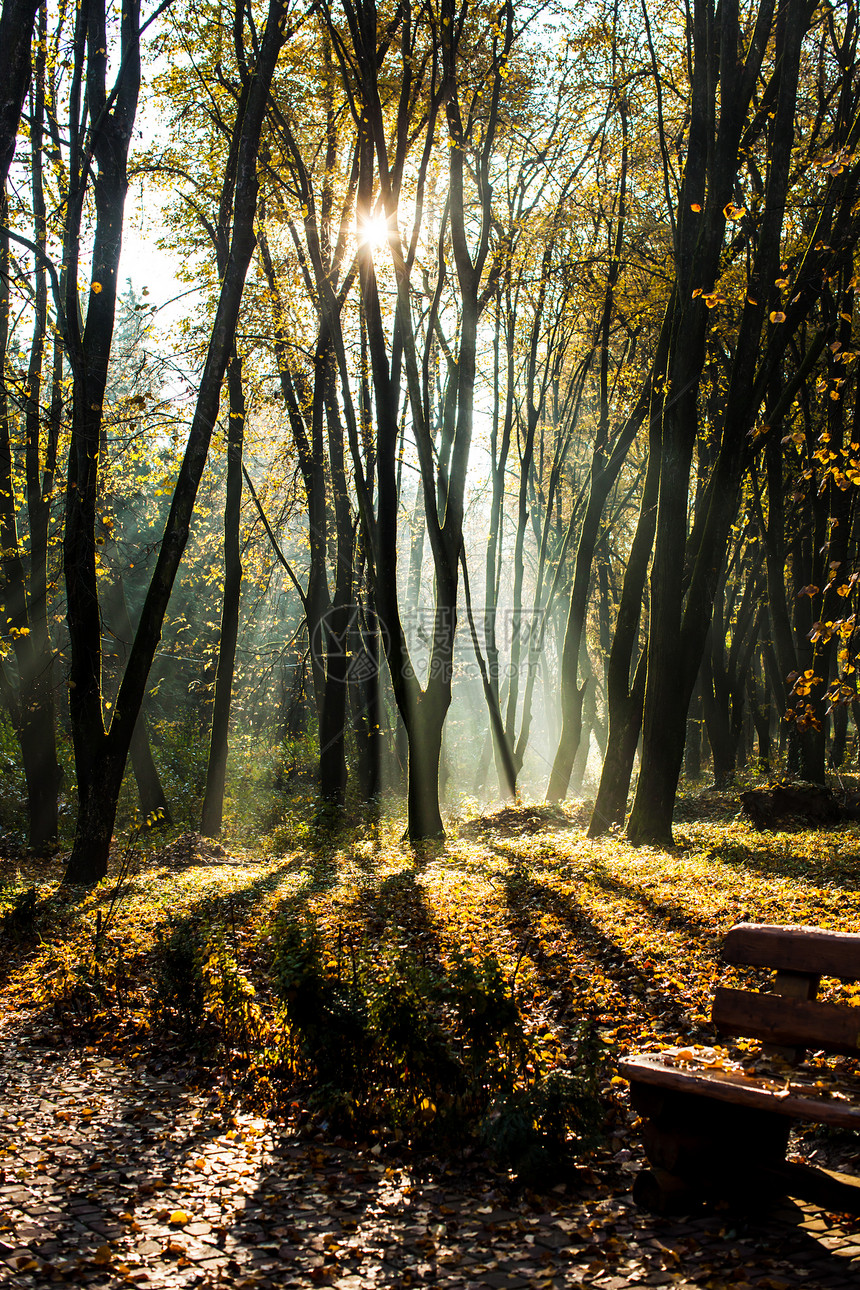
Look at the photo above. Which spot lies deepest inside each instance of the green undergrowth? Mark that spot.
(475, 992)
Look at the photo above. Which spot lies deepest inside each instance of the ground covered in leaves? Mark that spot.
(144, 1144)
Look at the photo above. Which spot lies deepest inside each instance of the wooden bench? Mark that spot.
(716, 1127)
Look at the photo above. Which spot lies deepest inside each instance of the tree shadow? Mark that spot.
(527, 897)
(666, 913)
(841, 869)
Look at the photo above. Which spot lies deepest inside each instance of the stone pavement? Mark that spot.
(114, 1176)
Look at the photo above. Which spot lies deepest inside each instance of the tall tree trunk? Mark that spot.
(424, 731)
(341, 616)
(682, 600)
(153, 803)
(624, 700)
(715, 702)
(216, 769)
(149, 789)
(693, 744)
(366, 699)
(24, 572)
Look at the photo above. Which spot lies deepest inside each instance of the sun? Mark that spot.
(374, 232)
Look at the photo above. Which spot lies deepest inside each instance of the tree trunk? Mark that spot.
(37, 735)
(840, 735)
(682, 598)
(16, 36)
(625, 726)
(624, 700)
(30, 696)
(425, 750)
(153, 803)
(760, 710)
(150, 792)
(666, 703)
(715, 702)
(589, 712)
(693, 743)
(216, 769)
(341, 618)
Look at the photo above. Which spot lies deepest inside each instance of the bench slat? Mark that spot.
(777, 1019)
(741, 1090)
(794, 949)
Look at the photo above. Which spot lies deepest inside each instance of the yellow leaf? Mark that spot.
(103, 1254)
(96, 288)
(777, 316)
(179, 1218)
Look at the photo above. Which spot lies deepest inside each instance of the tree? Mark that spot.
(31, 432)
(720, 145)
(100, 752)
(17, 21)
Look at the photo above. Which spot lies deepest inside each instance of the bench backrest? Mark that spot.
(790, 1019)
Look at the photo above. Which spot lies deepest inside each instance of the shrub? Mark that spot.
(387, 1041)
(13, 789)
(201, 995)
(229, 1002)
(19, 920)
(178, 986)
(531, 1128)
(327, 1016)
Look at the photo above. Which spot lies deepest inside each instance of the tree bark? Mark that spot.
(17, 22)
(216, 769)
(624, 699)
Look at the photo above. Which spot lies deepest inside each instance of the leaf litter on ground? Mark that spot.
(627, 937)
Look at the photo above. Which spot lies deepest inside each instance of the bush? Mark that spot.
(386, 1041)
(531, 1128)
(327, 1016)
(13, 789)
(230, 1004)
(178, 986)
(202, 997)
(19, 920)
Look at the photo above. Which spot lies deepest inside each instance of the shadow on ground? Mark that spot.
(116, 1176)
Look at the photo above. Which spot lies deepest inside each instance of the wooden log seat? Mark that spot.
(716, 1126)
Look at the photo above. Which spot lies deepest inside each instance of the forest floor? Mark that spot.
(125, 1160)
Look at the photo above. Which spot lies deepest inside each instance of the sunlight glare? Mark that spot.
(374, 232)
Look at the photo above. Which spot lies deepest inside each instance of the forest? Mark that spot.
(416, 598)
(527, 323)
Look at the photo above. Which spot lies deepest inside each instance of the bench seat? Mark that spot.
(791, 1097)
